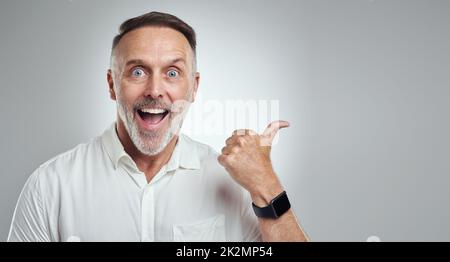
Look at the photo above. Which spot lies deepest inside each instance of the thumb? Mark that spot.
(271, 131)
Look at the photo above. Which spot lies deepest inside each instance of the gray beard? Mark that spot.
(151, 143)
(148, 143)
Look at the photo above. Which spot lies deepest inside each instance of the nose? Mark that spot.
(155, 88)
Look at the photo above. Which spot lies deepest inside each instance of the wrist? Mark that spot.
(262, 196)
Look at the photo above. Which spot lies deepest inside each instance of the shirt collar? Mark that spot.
(113, 146)
(184, 155)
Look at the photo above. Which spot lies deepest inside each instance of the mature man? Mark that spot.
(143, 181)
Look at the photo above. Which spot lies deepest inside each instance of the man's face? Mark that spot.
(153, 81)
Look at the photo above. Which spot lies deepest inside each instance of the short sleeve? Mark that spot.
(29, 223)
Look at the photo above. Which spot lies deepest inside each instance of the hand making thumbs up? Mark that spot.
(246, 157)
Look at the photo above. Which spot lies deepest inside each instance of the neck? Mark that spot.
(150, 165)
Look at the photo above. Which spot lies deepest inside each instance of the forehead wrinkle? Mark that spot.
(155, 46)
(150, 62)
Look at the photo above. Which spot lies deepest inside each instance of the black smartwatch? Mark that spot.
(277, 207)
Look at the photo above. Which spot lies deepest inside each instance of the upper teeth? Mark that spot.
(153, 110)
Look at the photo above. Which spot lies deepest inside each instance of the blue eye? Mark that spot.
(138, 72)
(172, 73)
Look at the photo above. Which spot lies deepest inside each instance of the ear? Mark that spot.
(196, 84)
(109, 78)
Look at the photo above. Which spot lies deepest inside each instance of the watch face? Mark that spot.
(281, 204)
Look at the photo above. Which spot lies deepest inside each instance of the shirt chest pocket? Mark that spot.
(210, 229)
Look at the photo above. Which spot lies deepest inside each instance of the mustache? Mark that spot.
(150, 102)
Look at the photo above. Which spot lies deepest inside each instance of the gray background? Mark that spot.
(364, 83)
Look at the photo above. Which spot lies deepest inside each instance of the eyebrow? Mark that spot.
(142, 62)
(134, 62)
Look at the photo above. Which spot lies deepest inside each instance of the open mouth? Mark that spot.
(152, 116)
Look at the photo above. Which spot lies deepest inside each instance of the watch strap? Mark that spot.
(277, 207)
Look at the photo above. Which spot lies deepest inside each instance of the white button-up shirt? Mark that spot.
(95, 192)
